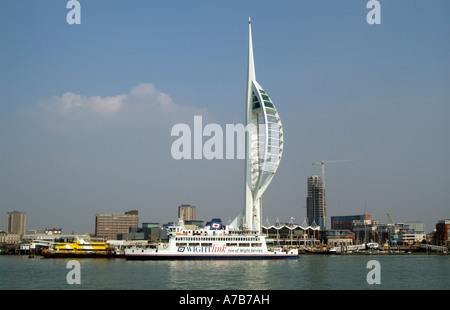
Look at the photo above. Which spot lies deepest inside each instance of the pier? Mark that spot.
(434, 248)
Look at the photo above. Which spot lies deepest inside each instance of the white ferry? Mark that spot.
(212, 242)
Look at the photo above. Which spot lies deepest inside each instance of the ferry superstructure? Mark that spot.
(209, 243)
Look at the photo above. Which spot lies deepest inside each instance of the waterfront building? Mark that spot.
(392, 234)
(411, 233)
(7, 238)
(34, 235)
(410, 237)
(338, 237)
(186, 213)
(109, 226)
(290, 234)
(263, 147)
(366, 231)
(16, 222)
(346, 222)
(443, 233)
(53, 231)
(315, 202)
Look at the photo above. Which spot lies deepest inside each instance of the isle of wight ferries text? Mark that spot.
(216, 249)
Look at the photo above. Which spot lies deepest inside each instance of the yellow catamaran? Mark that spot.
(80, 247)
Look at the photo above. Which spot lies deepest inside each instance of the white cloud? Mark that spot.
(143, 104)
(147, 92)
(70, 103)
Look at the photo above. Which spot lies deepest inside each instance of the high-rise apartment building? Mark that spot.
(315, 202)
(186, 213)
(16, 222)
(110, 225)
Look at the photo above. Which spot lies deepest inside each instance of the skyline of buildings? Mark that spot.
(357, 228)
(344, 228)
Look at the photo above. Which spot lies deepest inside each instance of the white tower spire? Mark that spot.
(263, 146)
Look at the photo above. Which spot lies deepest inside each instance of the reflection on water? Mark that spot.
(309, 272)
(218, 274)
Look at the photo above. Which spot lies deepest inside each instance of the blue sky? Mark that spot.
(86, 110)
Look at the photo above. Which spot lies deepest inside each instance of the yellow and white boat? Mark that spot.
(80, 247)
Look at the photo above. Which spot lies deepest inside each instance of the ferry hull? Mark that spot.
(210, 257)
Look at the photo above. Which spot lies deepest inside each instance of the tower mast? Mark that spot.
(249, 202)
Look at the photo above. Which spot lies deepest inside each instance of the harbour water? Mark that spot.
(309, 272)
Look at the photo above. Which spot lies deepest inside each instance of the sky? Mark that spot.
(86, 110)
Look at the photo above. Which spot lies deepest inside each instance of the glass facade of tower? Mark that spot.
(269, 132)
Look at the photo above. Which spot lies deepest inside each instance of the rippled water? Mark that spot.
(309, 272)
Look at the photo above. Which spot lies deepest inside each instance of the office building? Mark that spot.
(16, 223)
(109, 226)
(315, 202)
